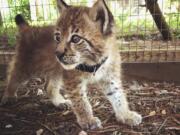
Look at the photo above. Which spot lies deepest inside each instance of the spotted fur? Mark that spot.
(87, 38)
(83, 36)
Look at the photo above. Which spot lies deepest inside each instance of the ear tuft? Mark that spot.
(61, 5)
(21, 22)
(101, 14)
(19, 19)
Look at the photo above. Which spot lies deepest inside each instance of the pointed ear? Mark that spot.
(21, 22)
(102, 15)
(61, 5)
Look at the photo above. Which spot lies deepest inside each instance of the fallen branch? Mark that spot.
(46, 127)
(162, 125)
(173, 128)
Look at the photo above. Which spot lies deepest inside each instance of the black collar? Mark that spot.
(89, 68)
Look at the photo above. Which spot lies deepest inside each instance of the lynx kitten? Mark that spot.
(84, 53)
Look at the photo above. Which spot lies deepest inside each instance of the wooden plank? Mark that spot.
(127, 56)
(151, 56)
(162, 71)
(6, 56)
(151, 65)
(3, 71)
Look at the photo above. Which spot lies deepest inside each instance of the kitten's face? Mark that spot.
(80, 37)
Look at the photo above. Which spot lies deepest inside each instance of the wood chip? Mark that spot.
(163, 112)
(39, 132)
(83, 133)
(173, 128)
(152, 113)
(8, 126)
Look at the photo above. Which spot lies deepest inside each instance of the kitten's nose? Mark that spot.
(59, 55)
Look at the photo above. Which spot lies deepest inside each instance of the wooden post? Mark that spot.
(159, 19)
(1, 21)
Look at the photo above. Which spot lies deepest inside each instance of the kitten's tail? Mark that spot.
(21, 22)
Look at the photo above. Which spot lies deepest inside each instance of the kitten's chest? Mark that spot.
(102, 74)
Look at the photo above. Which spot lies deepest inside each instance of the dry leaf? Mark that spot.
(83, 133)
(163, 112)
(152, 113)
(39, 92)
(135, 86)
(39, 132)
(8, 126)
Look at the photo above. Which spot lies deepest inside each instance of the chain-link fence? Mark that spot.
(141, 34)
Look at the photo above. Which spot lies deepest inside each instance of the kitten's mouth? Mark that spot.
(91, 68)
(67, 65)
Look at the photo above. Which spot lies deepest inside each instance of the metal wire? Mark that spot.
(138, 37)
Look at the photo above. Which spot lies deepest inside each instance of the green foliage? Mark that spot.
(19, 7)
(173, 20)
(10, 33)
(128, 21)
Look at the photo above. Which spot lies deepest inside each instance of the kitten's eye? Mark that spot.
(57, 36)
(75, 39)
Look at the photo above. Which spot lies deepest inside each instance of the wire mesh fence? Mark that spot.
(139, 37)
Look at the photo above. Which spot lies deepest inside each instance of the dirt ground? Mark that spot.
(159, 104)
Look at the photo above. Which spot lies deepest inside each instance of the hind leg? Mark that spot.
(53, 89)
(14, 80)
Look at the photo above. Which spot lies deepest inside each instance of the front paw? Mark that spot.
(131, 118)
(93, 123)
(8, 100)
(61, 103)
(66, 105)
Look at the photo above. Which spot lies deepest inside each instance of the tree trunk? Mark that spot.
(159, 19)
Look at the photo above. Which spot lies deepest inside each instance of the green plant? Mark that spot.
(19, 7)
(10, 32)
